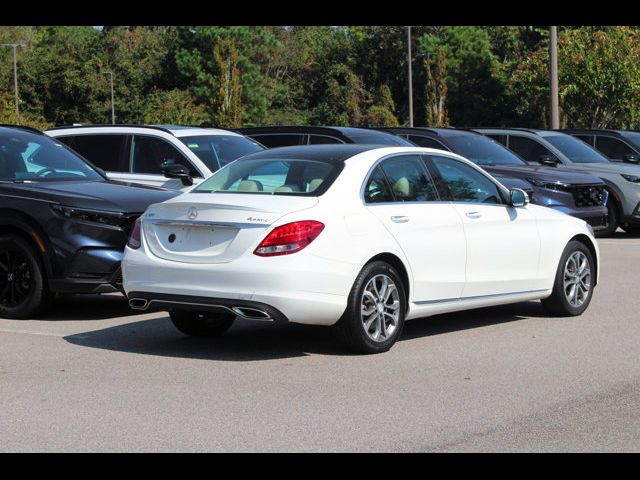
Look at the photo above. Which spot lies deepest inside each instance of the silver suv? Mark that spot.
(556, 149)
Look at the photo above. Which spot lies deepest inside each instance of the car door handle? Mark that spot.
(473, 214)
(399, 219)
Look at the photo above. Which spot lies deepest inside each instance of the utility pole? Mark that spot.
(15, 71)
(113, 108)
(553, 77)
(410, 76)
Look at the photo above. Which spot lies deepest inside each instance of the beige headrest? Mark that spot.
(288, 188)
(315, 183)
(401, 187)
(250, 186)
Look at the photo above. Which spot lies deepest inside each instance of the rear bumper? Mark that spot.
(300, 288)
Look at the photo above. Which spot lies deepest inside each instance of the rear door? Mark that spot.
(106, 151)
(503, 244)
(402, 194)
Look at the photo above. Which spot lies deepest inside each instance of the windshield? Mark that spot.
(483, 151)
(273, 176)
(576, 150)
(26, 156)
(216, 151)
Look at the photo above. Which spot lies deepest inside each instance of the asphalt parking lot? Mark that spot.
(94, 376)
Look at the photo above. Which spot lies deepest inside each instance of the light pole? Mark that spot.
(553, 77)
(409, 61)
(113, 108)
(15, 71)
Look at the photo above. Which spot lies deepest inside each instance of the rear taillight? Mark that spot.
(289, 238)
(135, 239)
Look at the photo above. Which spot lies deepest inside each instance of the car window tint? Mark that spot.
(149, 155)
(277, 140)
(613, 148)
(465, 183)
(409, 179)
(588, 139)
(377, 189)
(426, 142)
(104, 151)
(322, 140)
(528, 149)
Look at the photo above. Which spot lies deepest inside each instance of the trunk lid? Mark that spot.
(214, 227)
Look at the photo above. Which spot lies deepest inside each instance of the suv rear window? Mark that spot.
(274, 176)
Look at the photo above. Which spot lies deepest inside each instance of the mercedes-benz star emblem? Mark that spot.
(192, 213)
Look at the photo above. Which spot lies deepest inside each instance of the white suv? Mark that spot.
(172, 157)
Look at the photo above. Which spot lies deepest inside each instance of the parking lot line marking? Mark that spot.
(31, 332)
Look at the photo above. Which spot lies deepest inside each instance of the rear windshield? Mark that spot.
(277, 176)
(218, 150)
(576, 150)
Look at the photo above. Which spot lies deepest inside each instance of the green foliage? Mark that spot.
(352, 75)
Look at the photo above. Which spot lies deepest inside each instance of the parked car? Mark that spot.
(361, 237)
(286, 136)
(63, 224)
(567, 153)
(616, 145)
(577, 194)
(168, 156)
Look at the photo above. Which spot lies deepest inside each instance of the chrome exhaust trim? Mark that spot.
(138, 303)
(249, 313)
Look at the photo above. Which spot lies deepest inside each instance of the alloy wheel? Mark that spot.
(15, 278)
(577, 279)
(380, 308)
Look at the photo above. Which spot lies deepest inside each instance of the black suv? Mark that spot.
(63, 224)
(616, 145)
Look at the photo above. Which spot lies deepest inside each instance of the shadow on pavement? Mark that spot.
(88, 307)
(254, 341)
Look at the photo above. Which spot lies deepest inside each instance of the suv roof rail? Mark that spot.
(23, 127)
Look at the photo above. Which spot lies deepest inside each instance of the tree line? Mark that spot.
(340, 75)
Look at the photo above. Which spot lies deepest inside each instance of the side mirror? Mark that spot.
(548, 160)
(176, 170)
(519, 198)
(630, 158)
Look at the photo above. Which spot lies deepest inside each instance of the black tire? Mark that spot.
(350, 329)
(23, 291)
(558, 304)
(198, 324)
(612, 219)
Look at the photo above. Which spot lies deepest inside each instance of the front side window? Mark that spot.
(426, 142)
(529, 149)
(322, 140)
(613, 148)
(588, 139)
(276, 176)
(465, 183)
(409, 179)
(576, 150)
(25, 156)
(150, 155)
(216, 151)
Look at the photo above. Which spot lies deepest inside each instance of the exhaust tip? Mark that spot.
(138, 303)
(251, 313)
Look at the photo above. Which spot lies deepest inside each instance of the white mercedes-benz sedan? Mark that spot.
(359, 237)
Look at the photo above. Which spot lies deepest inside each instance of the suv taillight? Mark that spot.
(289, 238)
(135, 239)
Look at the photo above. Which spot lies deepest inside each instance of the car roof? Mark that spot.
(332, 153)
(593, 131)
(430, 131)
(6, 126)
(535, 131)
(175, 130)
(342, 132)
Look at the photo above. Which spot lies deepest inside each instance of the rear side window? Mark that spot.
(150, 155)
(613, 148)
(276, 140)
(426, 142)
(409, 179)
(377, 189)
(104, 151)
(322, 140)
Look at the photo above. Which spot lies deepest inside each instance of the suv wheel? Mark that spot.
(198, 324)
(612, 219)
(22, 286)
